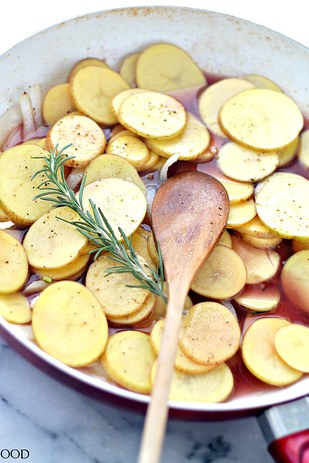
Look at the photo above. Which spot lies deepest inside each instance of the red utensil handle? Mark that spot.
(291, 449)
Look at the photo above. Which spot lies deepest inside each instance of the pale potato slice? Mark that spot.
(85, 63)
(303, 152)
(259, 299)
(213, 98)
(122, 202)
(259, 354)
(152, 249)
(57, 103)
(225, 239)
(210, 333)
(182, 362)
(262, 82)
(245, 165)
(128, 359)
(256, 228)
(287, 154)
(3, 216)
(131, 148)
(241, 213)
(300, 245)
(141, 315)
(292, 345)
(153, 160)
(69, 324)
(93, 90)
(159, 310)
(68, 271)
(282, 204)
(15, 308)
(85, 135)
(262, 243)
(139, 242)
(261, 119)
(42, 143)
(190, 144)
(165, 67)
(261, 264)
(13, 264)
(153, 115)
(17, 185)
(222, 276)
(128, 69)
(120, 133)
(109, 166)
(295, 279)
(117, 299)
(51, 242)
(122, 96)
(32, 141)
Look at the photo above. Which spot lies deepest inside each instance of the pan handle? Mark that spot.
(291, 449)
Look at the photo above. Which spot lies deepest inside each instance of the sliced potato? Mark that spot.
(122, 202)
(262, 243)
(93, 90)
(225, 239)
(141, 315)
(153, 160)
(213, 98)
(152, 249)
(287, 154)
(245, 165)
(128, 69)
(259, 299)
(13, 264)
(210, 333)
(295, 279)
(300, 245)
(68, 271)
(3, 216)
(51, 242)
(282, 205)
(139, 242)
(120, 133)
(261, 119)
(69, 324)
(261, 264)
(15, 308)
(128, 359)
(122, 96)
(131, 148)
(159, 310)
(153, 115)
(190, 144)
(159, 164)
(263, 361)
(85, 135)
(257, 229)
(85, 63)
(303, 152)
(165, 67)
(57, 103)
(262, 82)
(109, 166)
(222, 276)
(241, 213)
(292, 345)
(17, 185)
(117, 299)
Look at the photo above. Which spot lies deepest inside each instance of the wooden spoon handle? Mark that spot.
(156, 417)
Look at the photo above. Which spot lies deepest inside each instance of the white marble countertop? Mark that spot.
(53, 422)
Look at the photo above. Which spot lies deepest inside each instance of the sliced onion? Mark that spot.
(167, 165)
(75, 177)
(36, 286)
(40, 132)
(151, 193)
(10, 120)
(14, 138)
(35, 95)
(26, 109)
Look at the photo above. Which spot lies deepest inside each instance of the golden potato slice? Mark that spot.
(122, 202)
(109, 166)
(261, 119)
(57, 103)
(222, 276)
(262, 243)
(87, 138)
(69, 324)
(245, 165)
(241, 213)
(300, 245)
(282, 204)
(159, 164)
(15, 308)
(128, 69)
(117, 299)
(295, 279)
(190, 144)
(153, 160)
(225, 239)
(51, 243)
(159, 310)
(131, 148)
(262, 82)
(210, 333)
(13, 264)
(3, 216)
(140, 245)
(17, 185)
(128, 359)
(287, 154)
(182, 362)
(292, 345)
(259, 299)
(213, 98)
(152, 249)
(259, 354)
(141, 315)
(165, 67)
(68, 271)
(122, 96)
(257, 229)
(261, 264)
(84, 63)
(93, 90)
(303, 152)
(153, 115)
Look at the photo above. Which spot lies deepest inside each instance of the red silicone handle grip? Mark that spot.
(291, 449)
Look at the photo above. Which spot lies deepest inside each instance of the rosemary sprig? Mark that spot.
(94, 225)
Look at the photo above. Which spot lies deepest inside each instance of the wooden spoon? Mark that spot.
(189, 214)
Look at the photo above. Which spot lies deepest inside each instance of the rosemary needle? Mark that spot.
(94, 225)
